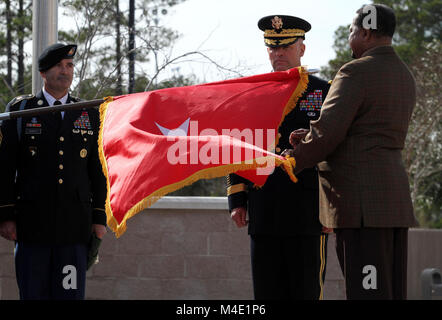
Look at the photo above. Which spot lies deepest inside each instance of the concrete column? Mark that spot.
(44, 33)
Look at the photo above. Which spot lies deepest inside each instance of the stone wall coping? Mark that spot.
(217, 203)
(198, 203)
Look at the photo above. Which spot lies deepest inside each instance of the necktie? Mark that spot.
(58, 114)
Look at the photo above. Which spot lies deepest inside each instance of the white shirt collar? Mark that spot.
(50, 99)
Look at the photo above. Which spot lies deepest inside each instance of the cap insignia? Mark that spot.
(71, 52)
(277, 23)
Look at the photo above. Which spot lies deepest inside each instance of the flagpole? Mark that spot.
(43, 110)
(44, 33)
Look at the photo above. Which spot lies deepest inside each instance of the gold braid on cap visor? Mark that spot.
(279, 42)
(284, 33)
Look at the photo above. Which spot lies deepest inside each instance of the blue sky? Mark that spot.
(227, 32)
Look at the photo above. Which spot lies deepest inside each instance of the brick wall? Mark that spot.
(190, 249)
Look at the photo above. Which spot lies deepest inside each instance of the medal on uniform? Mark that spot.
(83, 122)
(312, 103)
(83, 153)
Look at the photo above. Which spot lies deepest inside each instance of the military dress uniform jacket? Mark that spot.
(359, 138)
(282, 207)
(52, 182)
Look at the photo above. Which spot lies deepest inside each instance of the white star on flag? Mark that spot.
(177, 132)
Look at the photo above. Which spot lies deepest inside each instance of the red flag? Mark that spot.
(153, 143)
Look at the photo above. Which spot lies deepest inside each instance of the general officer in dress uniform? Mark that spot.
(288, 247)
(53, 191)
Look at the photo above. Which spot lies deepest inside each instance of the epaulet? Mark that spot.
(330, 82)
(21, 98)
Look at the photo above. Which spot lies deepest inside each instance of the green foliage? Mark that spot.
(419, 22)
(429, 203)
(342, 50)
(20, 29)
(175, 81)
(423, 148)
(204, 188)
